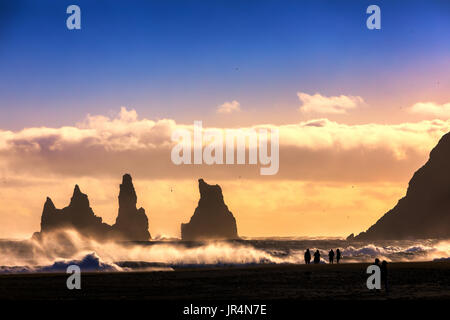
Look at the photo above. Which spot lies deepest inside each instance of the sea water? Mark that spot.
(55, 254)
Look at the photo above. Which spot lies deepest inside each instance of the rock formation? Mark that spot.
(77, 215)
(211, 219)
(425, 210)
(131, 224)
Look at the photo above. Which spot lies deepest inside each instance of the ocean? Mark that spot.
(56, 252)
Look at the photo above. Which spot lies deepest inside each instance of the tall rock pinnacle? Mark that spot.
(211, 219)
(50, 216)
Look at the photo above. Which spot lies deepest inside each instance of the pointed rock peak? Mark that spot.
(127, 185)
(127, 180)
(127, 194)
(76, 191)
(49, 204)
(202, 185)
(79, 198)
(207, 189)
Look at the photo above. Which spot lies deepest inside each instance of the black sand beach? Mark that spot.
(409, 280)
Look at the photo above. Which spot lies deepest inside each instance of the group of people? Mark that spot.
(317, 256)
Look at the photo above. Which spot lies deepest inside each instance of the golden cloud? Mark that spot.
(318, 103)
(311, 150)
(229, 107)
(433, 109)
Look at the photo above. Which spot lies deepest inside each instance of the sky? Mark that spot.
(358, 110)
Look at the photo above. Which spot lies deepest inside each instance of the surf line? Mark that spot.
(208, 147)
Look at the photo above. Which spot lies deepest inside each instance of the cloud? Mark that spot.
(312, 150)
(431, 108)
(332, 105)
(229, 107)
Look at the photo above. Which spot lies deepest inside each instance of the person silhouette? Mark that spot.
(307, 256)
(384, 275)
(338, 255)
(316, 257)
(331, 256)
(377, 262)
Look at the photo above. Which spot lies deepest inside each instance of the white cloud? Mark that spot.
(431, 108)
(229, 107)
(318, 149)
(334, 105)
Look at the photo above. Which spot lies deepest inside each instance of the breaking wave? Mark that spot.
(89, 263)
(55, 252)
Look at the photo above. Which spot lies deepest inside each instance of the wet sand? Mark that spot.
(419, 280)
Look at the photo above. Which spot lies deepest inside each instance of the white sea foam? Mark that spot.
(53, 253)
(91, 262)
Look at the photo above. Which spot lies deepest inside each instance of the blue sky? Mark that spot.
(180, 59)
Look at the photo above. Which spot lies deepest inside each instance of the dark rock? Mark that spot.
(425, 210)
(77, 215)
(211, 219)
(131, 224)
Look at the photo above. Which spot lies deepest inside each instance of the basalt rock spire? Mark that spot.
(211, 219)
(131, 223)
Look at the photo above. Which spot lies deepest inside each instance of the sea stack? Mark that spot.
(211, 219)
(77, 215)
(425, 210)
(131, 223)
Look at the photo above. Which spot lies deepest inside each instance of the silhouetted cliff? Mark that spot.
(131, 224)
(425, 210)
(211, 219)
